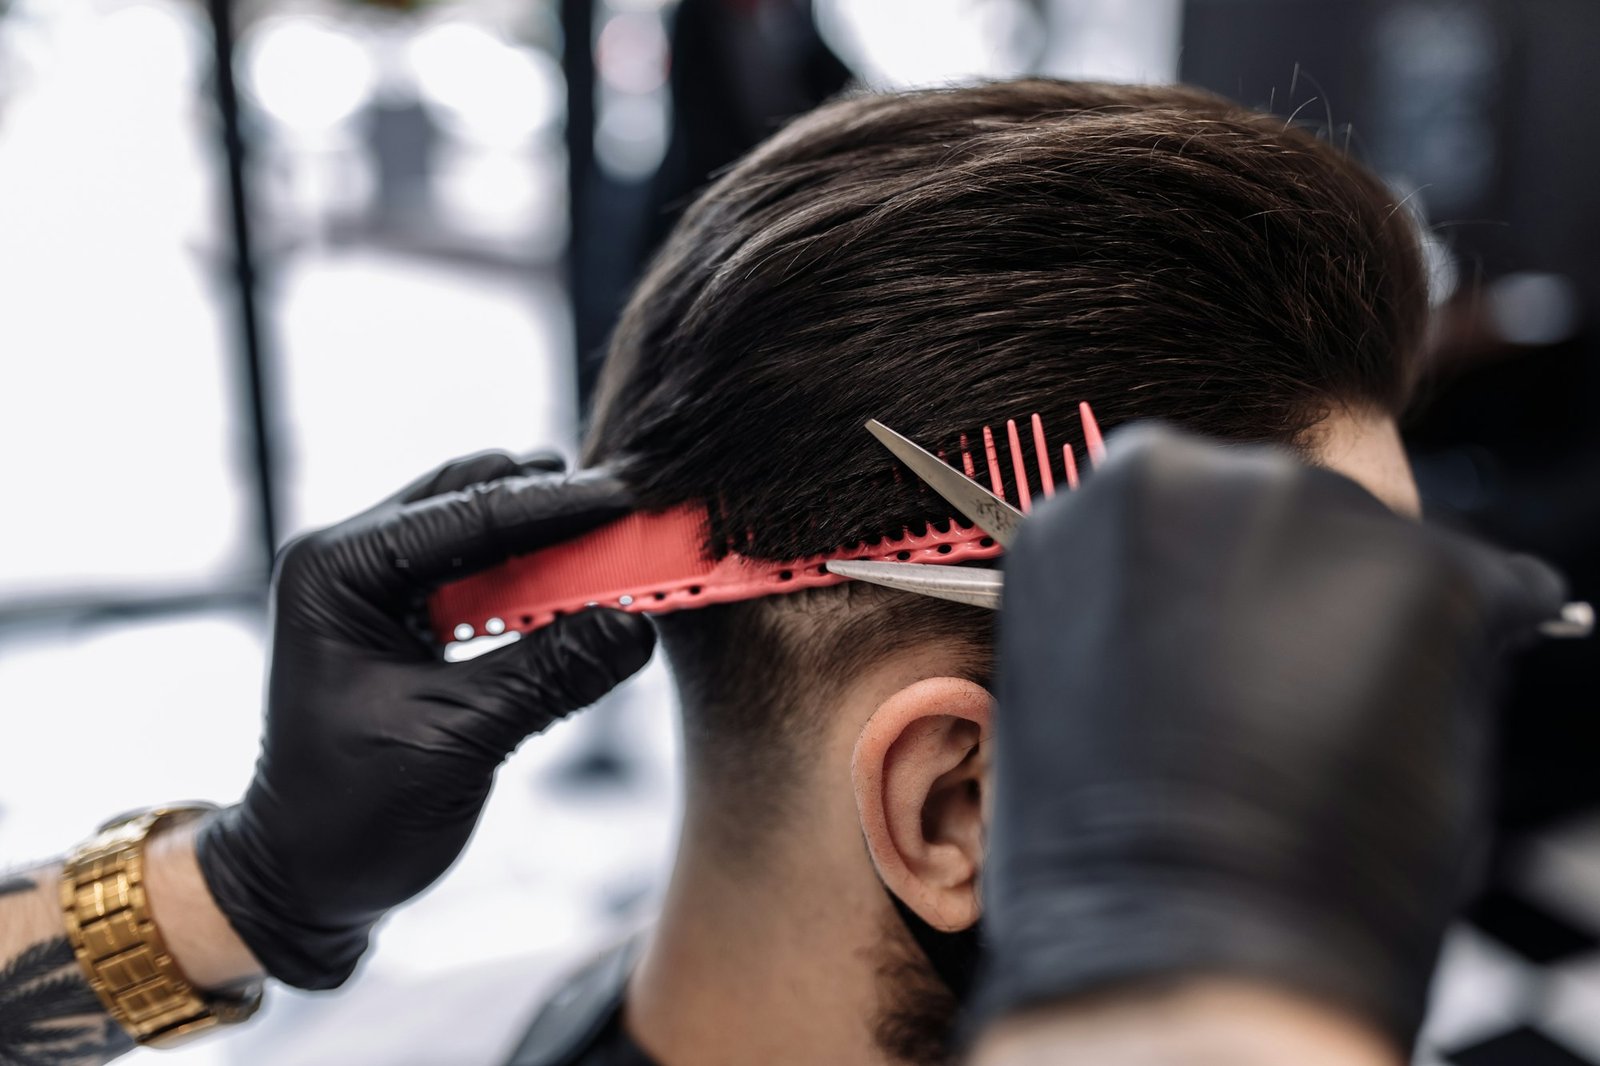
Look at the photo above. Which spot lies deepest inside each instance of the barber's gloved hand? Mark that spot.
(1243, 713)
(378, 756)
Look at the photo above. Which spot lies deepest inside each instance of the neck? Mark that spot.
(774, 963)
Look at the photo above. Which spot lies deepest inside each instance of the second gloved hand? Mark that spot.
(1243, 714)
(378, 756)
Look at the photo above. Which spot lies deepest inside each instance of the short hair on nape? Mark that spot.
(945, 259)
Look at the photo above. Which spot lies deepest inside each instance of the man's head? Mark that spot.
(941, 261)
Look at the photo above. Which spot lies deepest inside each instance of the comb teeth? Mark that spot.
(1094, 445)
(1041, 455)
(996, 485)
(1018, 467)
(1091, 434)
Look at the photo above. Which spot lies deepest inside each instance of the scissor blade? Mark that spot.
(983, 508)
(959, 584)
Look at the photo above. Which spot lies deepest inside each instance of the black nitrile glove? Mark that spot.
(378, 756)
(1242, 721)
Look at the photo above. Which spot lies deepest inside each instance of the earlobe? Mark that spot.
(917, 771)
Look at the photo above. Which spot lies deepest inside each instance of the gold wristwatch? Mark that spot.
(123, 955)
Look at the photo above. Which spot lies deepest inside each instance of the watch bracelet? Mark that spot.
(121, 950)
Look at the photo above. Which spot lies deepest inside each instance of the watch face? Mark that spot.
(137, 815)
(138, 822)
(122, 834)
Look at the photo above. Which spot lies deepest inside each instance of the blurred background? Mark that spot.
(262, 262)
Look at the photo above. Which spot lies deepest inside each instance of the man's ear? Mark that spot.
(918, 772)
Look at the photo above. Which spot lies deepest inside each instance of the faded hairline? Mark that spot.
(754, 720)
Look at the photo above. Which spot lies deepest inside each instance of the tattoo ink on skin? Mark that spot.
(48, 1015)
(10, 886)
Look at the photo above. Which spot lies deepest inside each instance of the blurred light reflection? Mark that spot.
(307, 73)
(913, 43)
(483, 87)
(631, 53)
(631, 136)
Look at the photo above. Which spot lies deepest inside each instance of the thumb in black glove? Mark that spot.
(1243, 713)
(377, 756)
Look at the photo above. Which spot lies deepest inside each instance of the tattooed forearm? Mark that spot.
(49, 1016)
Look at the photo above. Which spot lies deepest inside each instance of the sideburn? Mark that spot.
(917, 1013)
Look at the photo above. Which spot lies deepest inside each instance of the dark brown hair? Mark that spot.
(945, 259)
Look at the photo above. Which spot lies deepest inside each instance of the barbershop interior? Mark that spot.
(263, 262)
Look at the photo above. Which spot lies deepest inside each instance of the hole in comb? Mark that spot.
(823, 569)
(694, 590)
(785, 575)
(944, 549)
(527, 619)
(902, 555)
(986, 542)
(658, 596)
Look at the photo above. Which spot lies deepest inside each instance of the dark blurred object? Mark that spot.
(1467, 106)
(738, 69)
(404, 143)
(249, 348)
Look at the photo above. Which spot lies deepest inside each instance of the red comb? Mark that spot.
(657, 562)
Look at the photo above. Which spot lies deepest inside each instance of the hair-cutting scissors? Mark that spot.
(998, 518)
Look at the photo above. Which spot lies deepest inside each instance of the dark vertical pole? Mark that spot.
(249, 354)
(577, 64)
